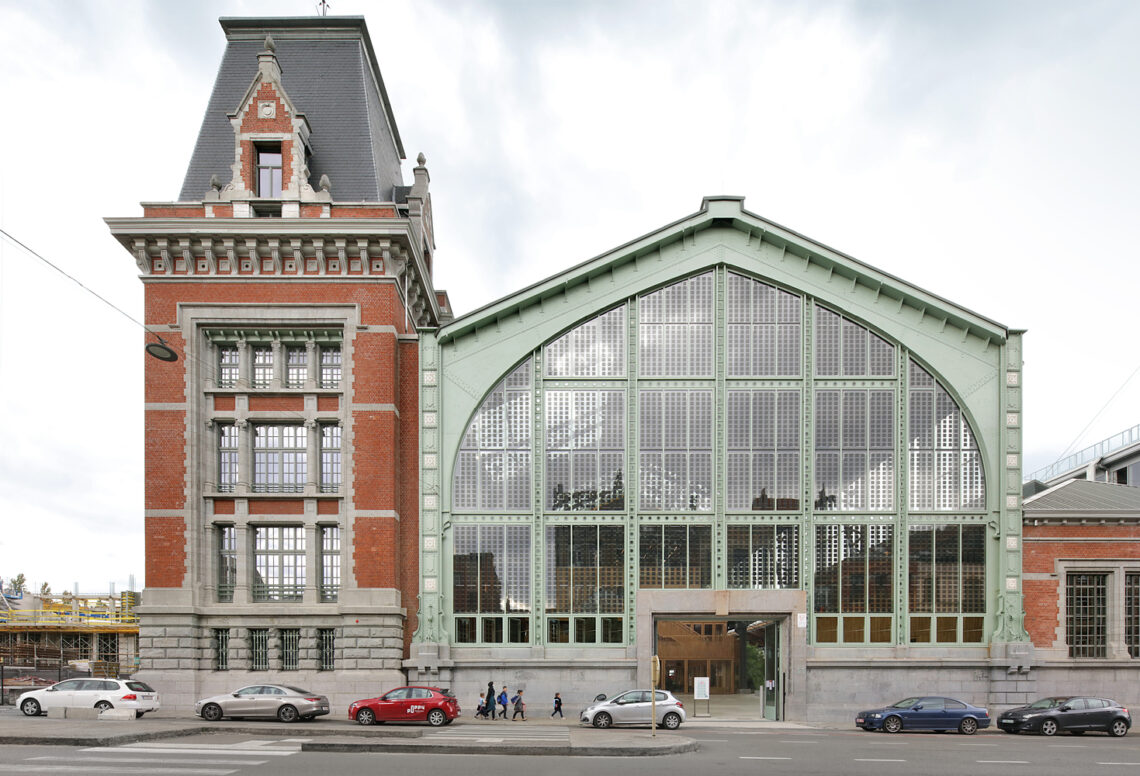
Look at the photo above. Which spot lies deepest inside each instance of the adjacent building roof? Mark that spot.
(329, 70)
(1084, 499)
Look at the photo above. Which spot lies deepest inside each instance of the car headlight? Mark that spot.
(1031, 716)
(875, 716)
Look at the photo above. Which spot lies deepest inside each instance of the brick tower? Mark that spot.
(289, 280)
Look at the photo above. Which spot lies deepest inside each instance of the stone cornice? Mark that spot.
(247, 248)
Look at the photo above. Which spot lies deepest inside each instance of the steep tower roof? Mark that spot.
(329, 68)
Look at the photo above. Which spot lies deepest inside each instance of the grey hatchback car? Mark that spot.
(634, 707)
(281, 701)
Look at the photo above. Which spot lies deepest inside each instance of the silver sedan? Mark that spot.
(634, 707)
(285, 703)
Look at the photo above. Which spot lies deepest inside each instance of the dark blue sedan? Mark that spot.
(931, 712)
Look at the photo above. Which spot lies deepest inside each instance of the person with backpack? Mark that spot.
(520, 707)
(503, 702)
(481, 709)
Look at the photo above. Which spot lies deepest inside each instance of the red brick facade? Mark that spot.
(1092, 545)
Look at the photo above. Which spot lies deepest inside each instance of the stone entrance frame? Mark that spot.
(788, 606)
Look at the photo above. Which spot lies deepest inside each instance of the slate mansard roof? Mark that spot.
(329, 71)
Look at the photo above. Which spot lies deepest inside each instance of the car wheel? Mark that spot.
(287, 714)
(602, 720)
(1118, 728)
(30, 707)
(1048, 727)
(968, 726)
(103, 706)
(211, 712)
(436, 717)
(366, 717)
(671, 721)
(892, 724)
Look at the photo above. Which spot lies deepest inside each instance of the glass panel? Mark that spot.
(487, 476)
(1086, 614)
(920, 630)
(826, 630)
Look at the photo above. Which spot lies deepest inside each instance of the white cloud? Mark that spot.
(983, 152)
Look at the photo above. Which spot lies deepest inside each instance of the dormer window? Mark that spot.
(269, 169)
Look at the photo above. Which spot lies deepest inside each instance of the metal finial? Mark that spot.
(323, 7)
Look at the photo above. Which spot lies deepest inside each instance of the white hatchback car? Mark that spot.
(99, 694)
(634, 707)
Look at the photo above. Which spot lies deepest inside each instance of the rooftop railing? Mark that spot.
(1088, 455)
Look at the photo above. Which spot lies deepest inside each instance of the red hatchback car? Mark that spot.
(407, 704)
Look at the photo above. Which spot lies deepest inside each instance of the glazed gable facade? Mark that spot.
(587, 432)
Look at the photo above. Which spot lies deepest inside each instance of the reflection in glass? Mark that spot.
(945, 464)
(676, 331)
(676, 450)
(595, 348)
(763, 462)
(675, 556)
(493, 468)
(585, 450)
(763, 556)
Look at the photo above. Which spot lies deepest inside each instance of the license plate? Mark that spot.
(858, 720)
(1007, 721)
(146, 697)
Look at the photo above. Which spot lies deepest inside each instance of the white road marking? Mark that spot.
(150, 769)
(167, 760)
(1118, 763)
(765, 758)
(203, 751)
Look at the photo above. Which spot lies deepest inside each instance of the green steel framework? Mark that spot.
(976, 360)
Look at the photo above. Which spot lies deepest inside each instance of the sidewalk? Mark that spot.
(465, 736)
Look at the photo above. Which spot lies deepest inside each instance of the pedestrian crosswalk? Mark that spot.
(491, 734)
(162, 758)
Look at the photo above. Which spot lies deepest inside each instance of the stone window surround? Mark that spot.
(244, 525)
(1116, 569)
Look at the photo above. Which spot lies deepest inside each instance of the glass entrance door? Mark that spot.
(741, 658)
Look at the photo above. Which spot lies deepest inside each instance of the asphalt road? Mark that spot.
(728, 750)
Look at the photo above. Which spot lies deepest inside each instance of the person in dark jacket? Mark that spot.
(491, 700)
(520, 707)
(557, 705)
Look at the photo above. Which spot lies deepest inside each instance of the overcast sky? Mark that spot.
(984, 151)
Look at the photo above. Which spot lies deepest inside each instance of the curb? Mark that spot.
(679, 747)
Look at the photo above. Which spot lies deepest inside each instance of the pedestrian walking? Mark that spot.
(490, 702)
(503, 701)
(481, 709)
(520, 707)
(557, 705)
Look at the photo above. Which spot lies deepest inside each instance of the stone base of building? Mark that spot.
(179, 655)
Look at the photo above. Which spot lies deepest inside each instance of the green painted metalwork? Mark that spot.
(976, 360)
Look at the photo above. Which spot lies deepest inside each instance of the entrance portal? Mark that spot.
(739, 656)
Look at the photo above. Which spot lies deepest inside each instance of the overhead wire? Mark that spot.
(202, 363)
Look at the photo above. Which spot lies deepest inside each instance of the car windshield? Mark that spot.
(1047, 703)
(905, 704)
